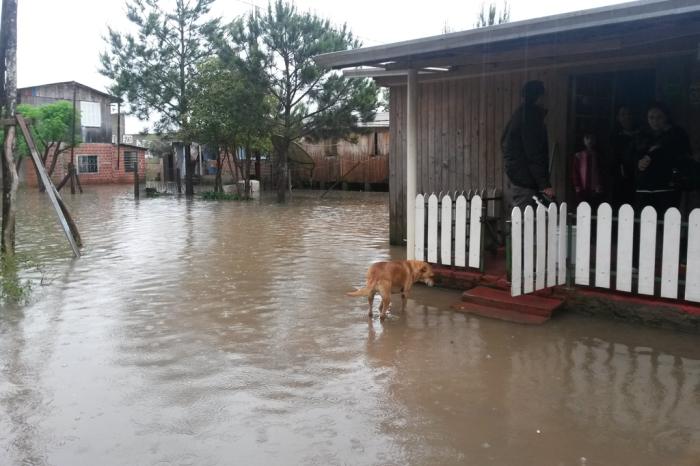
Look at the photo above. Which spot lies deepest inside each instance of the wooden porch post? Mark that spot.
(411, 156)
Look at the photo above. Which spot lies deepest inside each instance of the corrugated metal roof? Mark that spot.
(631, 12)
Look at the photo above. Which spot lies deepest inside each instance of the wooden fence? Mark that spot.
(608, 257)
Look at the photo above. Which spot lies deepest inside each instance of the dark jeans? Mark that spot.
(522, 197)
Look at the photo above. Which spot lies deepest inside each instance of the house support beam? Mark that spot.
(411, 156)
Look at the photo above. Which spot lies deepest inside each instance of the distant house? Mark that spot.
(360, 160)
(97, 159)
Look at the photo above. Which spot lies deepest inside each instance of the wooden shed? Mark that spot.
(452, 95)
(360, 160)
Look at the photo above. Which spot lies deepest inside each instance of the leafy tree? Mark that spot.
(488, 16)
(51, 126)
(308, 99)
(156, 68)
(230, 110)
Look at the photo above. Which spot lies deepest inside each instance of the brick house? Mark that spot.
(97, 159)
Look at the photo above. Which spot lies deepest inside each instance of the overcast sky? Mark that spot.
(60, 40)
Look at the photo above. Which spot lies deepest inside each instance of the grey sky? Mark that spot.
(61, 40)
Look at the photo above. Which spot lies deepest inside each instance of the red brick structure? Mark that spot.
(96, 164)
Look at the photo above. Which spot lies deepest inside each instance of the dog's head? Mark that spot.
(423, 272)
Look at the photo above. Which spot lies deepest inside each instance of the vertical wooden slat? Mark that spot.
(583, 244)
(446, 232)
(671, 253)
(602, 246)
(552, 245)
(541, 248)
(451, 150)
(461, 232)
(419, 253)
(459, 136)
(625, 248)
(563, 244)
(475, 232)
(528, 249)
(432, 228)
(647, 251)
(692, 273)
(516, 239)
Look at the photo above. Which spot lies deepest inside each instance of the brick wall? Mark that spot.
(107, 172)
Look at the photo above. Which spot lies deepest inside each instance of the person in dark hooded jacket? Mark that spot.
(526, 149)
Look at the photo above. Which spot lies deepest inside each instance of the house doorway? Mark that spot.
(595, 99)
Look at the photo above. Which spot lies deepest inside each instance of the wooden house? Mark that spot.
(451, 98)
(360, 161)
(451, 95)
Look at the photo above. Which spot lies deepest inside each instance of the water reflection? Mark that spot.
(218, 333)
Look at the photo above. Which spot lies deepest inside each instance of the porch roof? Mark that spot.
(634, 24)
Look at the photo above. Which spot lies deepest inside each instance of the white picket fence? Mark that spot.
(550, 245)
(539, 245)
(448, 231)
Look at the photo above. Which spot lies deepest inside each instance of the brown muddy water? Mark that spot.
(218, 333)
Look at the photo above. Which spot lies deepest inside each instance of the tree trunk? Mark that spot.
(189, 169)
(218, 184)
(282, 172)
(8, 94)
(246, 176)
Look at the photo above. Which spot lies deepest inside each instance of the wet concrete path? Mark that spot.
(213, 333)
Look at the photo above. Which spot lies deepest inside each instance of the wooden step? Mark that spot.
(500, 314)
(497, 303)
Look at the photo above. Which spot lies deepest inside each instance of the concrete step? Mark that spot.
(500, 304)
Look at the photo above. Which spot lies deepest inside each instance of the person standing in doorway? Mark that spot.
(525, 148)
(586, 174)
(664, 159)
(622, 141)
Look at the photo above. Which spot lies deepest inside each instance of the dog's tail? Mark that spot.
(360, 292)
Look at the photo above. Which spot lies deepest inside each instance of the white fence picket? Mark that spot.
(461, 232)
(541, 248)
(516, 236)
(475, 232)
(419, 248)
(528, 249)
(563, 244)
(671, 254)
(625, 248)
(432, 228)
(647, 251)
(552, 245)
(603, 241)
(446, 232)
(583, 244)
(692, 273)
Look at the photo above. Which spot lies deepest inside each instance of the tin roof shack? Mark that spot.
(452, 95)
(360, 161)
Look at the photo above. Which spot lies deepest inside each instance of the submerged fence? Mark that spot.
(641, 256)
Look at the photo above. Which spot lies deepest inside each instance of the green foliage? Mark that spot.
(230, 106)
(217, 196)
(156, 68)
(489, 16)
(13, 290)
(307, 98)
(50, 126)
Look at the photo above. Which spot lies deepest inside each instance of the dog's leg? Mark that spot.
(371, 301)
(385, 292)
(404, 299)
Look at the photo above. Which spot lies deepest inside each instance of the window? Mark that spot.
(90, 114)
(130, 161)
(87, 164)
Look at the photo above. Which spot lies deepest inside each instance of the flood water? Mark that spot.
(218, 333)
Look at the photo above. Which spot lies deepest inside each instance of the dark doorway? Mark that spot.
(595, 99)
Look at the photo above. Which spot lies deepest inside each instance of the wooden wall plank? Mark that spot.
(583, 244)
(625, 248)
(603, 246)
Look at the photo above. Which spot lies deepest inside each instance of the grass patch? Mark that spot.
(214, 196)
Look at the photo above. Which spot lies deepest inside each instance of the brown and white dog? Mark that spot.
(395, 276)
